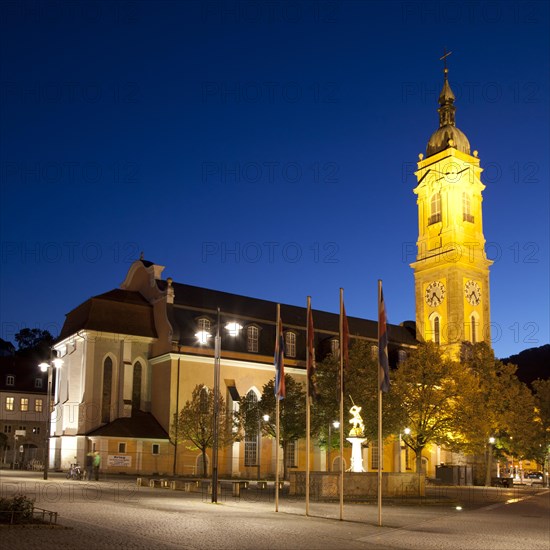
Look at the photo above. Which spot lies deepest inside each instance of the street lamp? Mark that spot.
(54, 363)
(259, 442)
(233, 329)
(334, 424)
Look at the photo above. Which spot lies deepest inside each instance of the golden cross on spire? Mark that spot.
(444, 58)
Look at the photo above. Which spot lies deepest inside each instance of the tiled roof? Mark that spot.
(140, 425)
(117, 311)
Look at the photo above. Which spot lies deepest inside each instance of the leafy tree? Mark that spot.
(292, 414)
(499, 406)
(541, 448)
(429, 389)
(361, 388)
(34, 341)
(195, 423)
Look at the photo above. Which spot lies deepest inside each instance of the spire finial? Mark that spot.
(446, 97)
(444, 59)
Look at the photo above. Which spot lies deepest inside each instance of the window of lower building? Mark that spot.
(10, 380)
(38, 405)
(155, 449)
(38, 382)
(7, 429)
(290, 344)
(36, 430)
(10, 402)
(122, 447)
(252, 339)
(374, 458)
(24, 404)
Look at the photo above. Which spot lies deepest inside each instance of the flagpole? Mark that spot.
(277, 399)
(308, 412)
(380, 450)
(341, 328)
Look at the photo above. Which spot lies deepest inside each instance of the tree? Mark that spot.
(195, 423)
(499, 407)
(361, 387)
(3, 441)
(292, 414)
(541, 451)
(34, 341)
(429, 389)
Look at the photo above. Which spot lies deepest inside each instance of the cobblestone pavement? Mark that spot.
(117, 513)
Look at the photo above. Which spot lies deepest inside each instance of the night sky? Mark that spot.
(265, 149)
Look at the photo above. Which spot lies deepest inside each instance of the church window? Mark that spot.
(401, 356)
(374, 351)
(203, 400)
(291, 454)
(136, 387)
(290, 344)
(335, 347)
(437, 331)
(252, 339)
(473, 323)
(251, 437)
(467, 208)
(435, 208)
(106, 394)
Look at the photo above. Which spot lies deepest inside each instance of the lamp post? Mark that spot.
(334, 424)
(233, 329)
(489, 461)
(259, 441)
(54, 363)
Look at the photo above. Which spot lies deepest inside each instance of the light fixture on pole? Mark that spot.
(54, 363)
(233, 329)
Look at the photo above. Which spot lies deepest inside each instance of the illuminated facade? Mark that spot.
(451, 270)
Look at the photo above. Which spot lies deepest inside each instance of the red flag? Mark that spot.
(279, 361)
(384, 367)
(310, 360)
(345, 337)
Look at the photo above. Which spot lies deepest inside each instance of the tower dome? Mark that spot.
(447, 135)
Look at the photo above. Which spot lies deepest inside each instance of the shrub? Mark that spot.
(19, 507)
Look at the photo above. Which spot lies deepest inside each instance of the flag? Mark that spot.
(383, 365)
(310, 360)
(279, 361)
(344, 344)
(345, 337)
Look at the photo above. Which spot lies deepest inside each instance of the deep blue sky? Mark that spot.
(122, 125)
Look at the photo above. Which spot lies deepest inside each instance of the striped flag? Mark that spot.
(383, 364)
(279, 361)
(310, 360)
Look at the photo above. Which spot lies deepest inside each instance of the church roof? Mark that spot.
(140, 425)
(193, 302)
(117, 311)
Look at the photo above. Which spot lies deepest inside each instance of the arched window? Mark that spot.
(203, 400)
(435, 208)
(374, 351)
(437, 330)
(136, 388)
(290, 344)
(252, 339)
(251, 437)
(473, 324)
(335, 347)
(106, 393)
(401, 356)
(467, 208)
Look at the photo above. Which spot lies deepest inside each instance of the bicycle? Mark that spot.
(75, 472)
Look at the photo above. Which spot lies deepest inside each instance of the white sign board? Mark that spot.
(119, 461)
(21, 433)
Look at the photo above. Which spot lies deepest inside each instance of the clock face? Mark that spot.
(473, 292)
(435, 293)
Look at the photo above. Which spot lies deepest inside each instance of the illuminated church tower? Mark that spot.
(451, 270)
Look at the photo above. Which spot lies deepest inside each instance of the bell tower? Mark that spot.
(451, 270)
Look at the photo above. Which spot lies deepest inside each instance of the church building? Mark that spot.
(133, 355)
